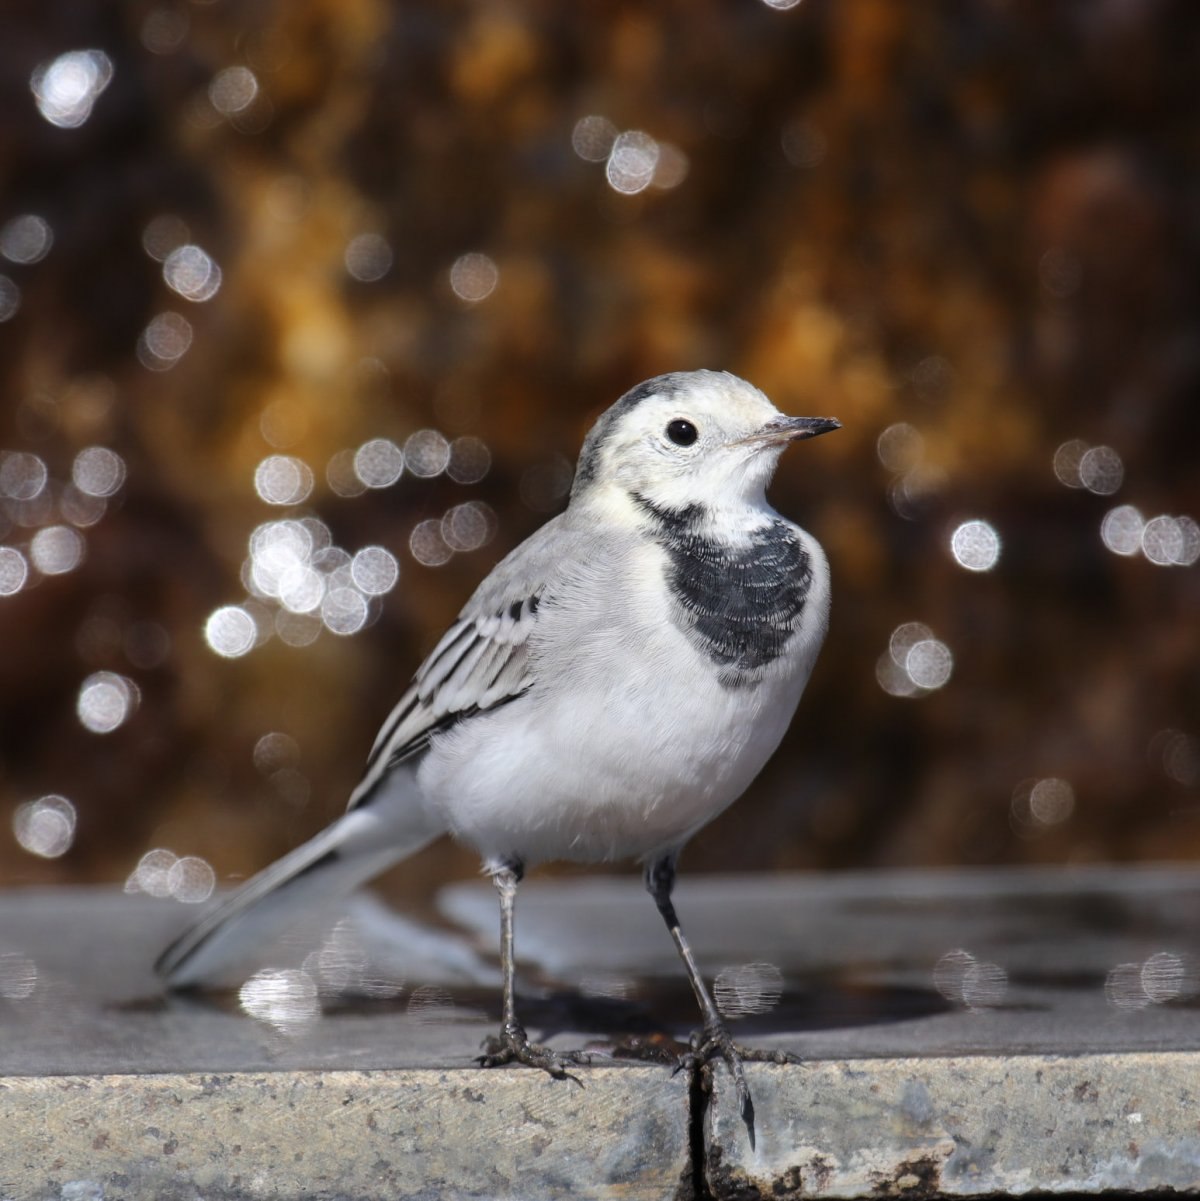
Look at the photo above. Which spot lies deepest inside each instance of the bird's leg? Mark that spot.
(714, 1039)
(513, 1045)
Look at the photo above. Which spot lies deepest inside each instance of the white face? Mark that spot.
(703, 437)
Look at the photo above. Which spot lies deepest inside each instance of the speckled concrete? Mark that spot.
(961, 1127)
(325, 1135)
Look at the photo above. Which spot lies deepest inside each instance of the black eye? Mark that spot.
(682, 433)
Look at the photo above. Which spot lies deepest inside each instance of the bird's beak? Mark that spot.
(782, 430)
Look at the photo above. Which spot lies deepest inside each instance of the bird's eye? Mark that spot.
(682, 433)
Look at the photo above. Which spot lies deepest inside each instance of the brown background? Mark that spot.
(977, 218)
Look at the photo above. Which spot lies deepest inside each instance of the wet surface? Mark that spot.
(847, 966)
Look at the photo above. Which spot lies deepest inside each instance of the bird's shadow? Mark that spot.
(665, 1010)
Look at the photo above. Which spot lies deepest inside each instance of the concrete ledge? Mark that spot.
(963, 1033)
(960, 1127)
(325, 1135)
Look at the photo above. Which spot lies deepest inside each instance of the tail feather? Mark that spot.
(354, 849)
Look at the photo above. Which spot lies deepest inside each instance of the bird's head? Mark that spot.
(690, 438)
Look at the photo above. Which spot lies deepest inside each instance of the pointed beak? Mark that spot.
(782, 430)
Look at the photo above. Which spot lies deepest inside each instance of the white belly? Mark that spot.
(625, 747)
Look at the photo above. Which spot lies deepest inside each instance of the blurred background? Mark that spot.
(306, 306)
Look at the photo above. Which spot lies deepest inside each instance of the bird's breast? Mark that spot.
(635, 733)
(739, 603)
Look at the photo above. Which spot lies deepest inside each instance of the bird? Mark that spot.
(615, 683)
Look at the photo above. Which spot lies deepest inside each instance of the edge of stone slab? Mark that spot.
(421, 1133)
(959, 1126)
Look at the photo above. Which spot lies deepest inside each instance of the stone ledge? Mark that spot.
(961, 1127)
(962, 1032)
(345, 1135)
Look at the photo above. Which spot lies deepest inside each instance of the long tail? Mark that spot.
(354, 849)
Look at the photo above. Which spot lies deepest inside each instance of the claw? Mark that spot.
(716, 1043)
(513, 1046)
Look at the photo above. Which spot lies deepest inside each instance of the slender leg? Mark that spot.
(513, 1045)
(714, 1039)
(660, 882)
(506, 882)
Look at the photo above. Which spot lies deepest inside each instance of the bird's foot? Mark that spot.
(715, 1042)
(513, 1046)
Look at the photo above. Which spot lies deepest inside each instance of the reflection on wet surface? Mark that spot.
(888, 964)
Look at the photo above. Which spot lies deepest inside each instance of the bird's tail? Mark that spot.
(357, 847)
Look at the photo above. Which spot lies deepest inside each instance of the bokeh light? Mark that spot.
(22, 475)
(1161, 978)
(1177, 754)
(230, 631)
(379, 463)
(970, 982)
(152, 873)
(428, 545)
(975, 545)
(106, 700)
(14, 571)
(1171, 541)
(374, 570)
(469, 526)
(426, 453)
(164, 341)
(592, 138)
(804, 144)
(163, 874)
(98, 471)
(192, 273)
(900, 447)
(632, 162)
(1121, 530)
(915, 664)
(26, 239)
(191, 880)
(1101, 470)
(232, 90)
(80, 508)
(929, 663)
(344, 610)
(342, 476)
(1051, 801)
(469, 460)
(18, 976)
(671, 169)
(163, 234)
(164, 29)
(283, 480)
(474, 277)
(431, 1005)
(1067, 459)
(10, 299)
(66, 89)
(45, 827)
(368, 257)
(56, 549)
(748, 989)
(285, 998)
(1039, 805)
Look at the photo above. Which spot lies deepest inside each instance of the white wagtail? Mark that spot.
(612, 685)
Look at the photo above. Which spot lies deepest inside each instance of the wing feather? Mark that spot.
(483, 659)
(468, 672)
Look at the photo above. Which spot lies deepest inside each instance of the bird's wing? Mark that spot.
(481, 662)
